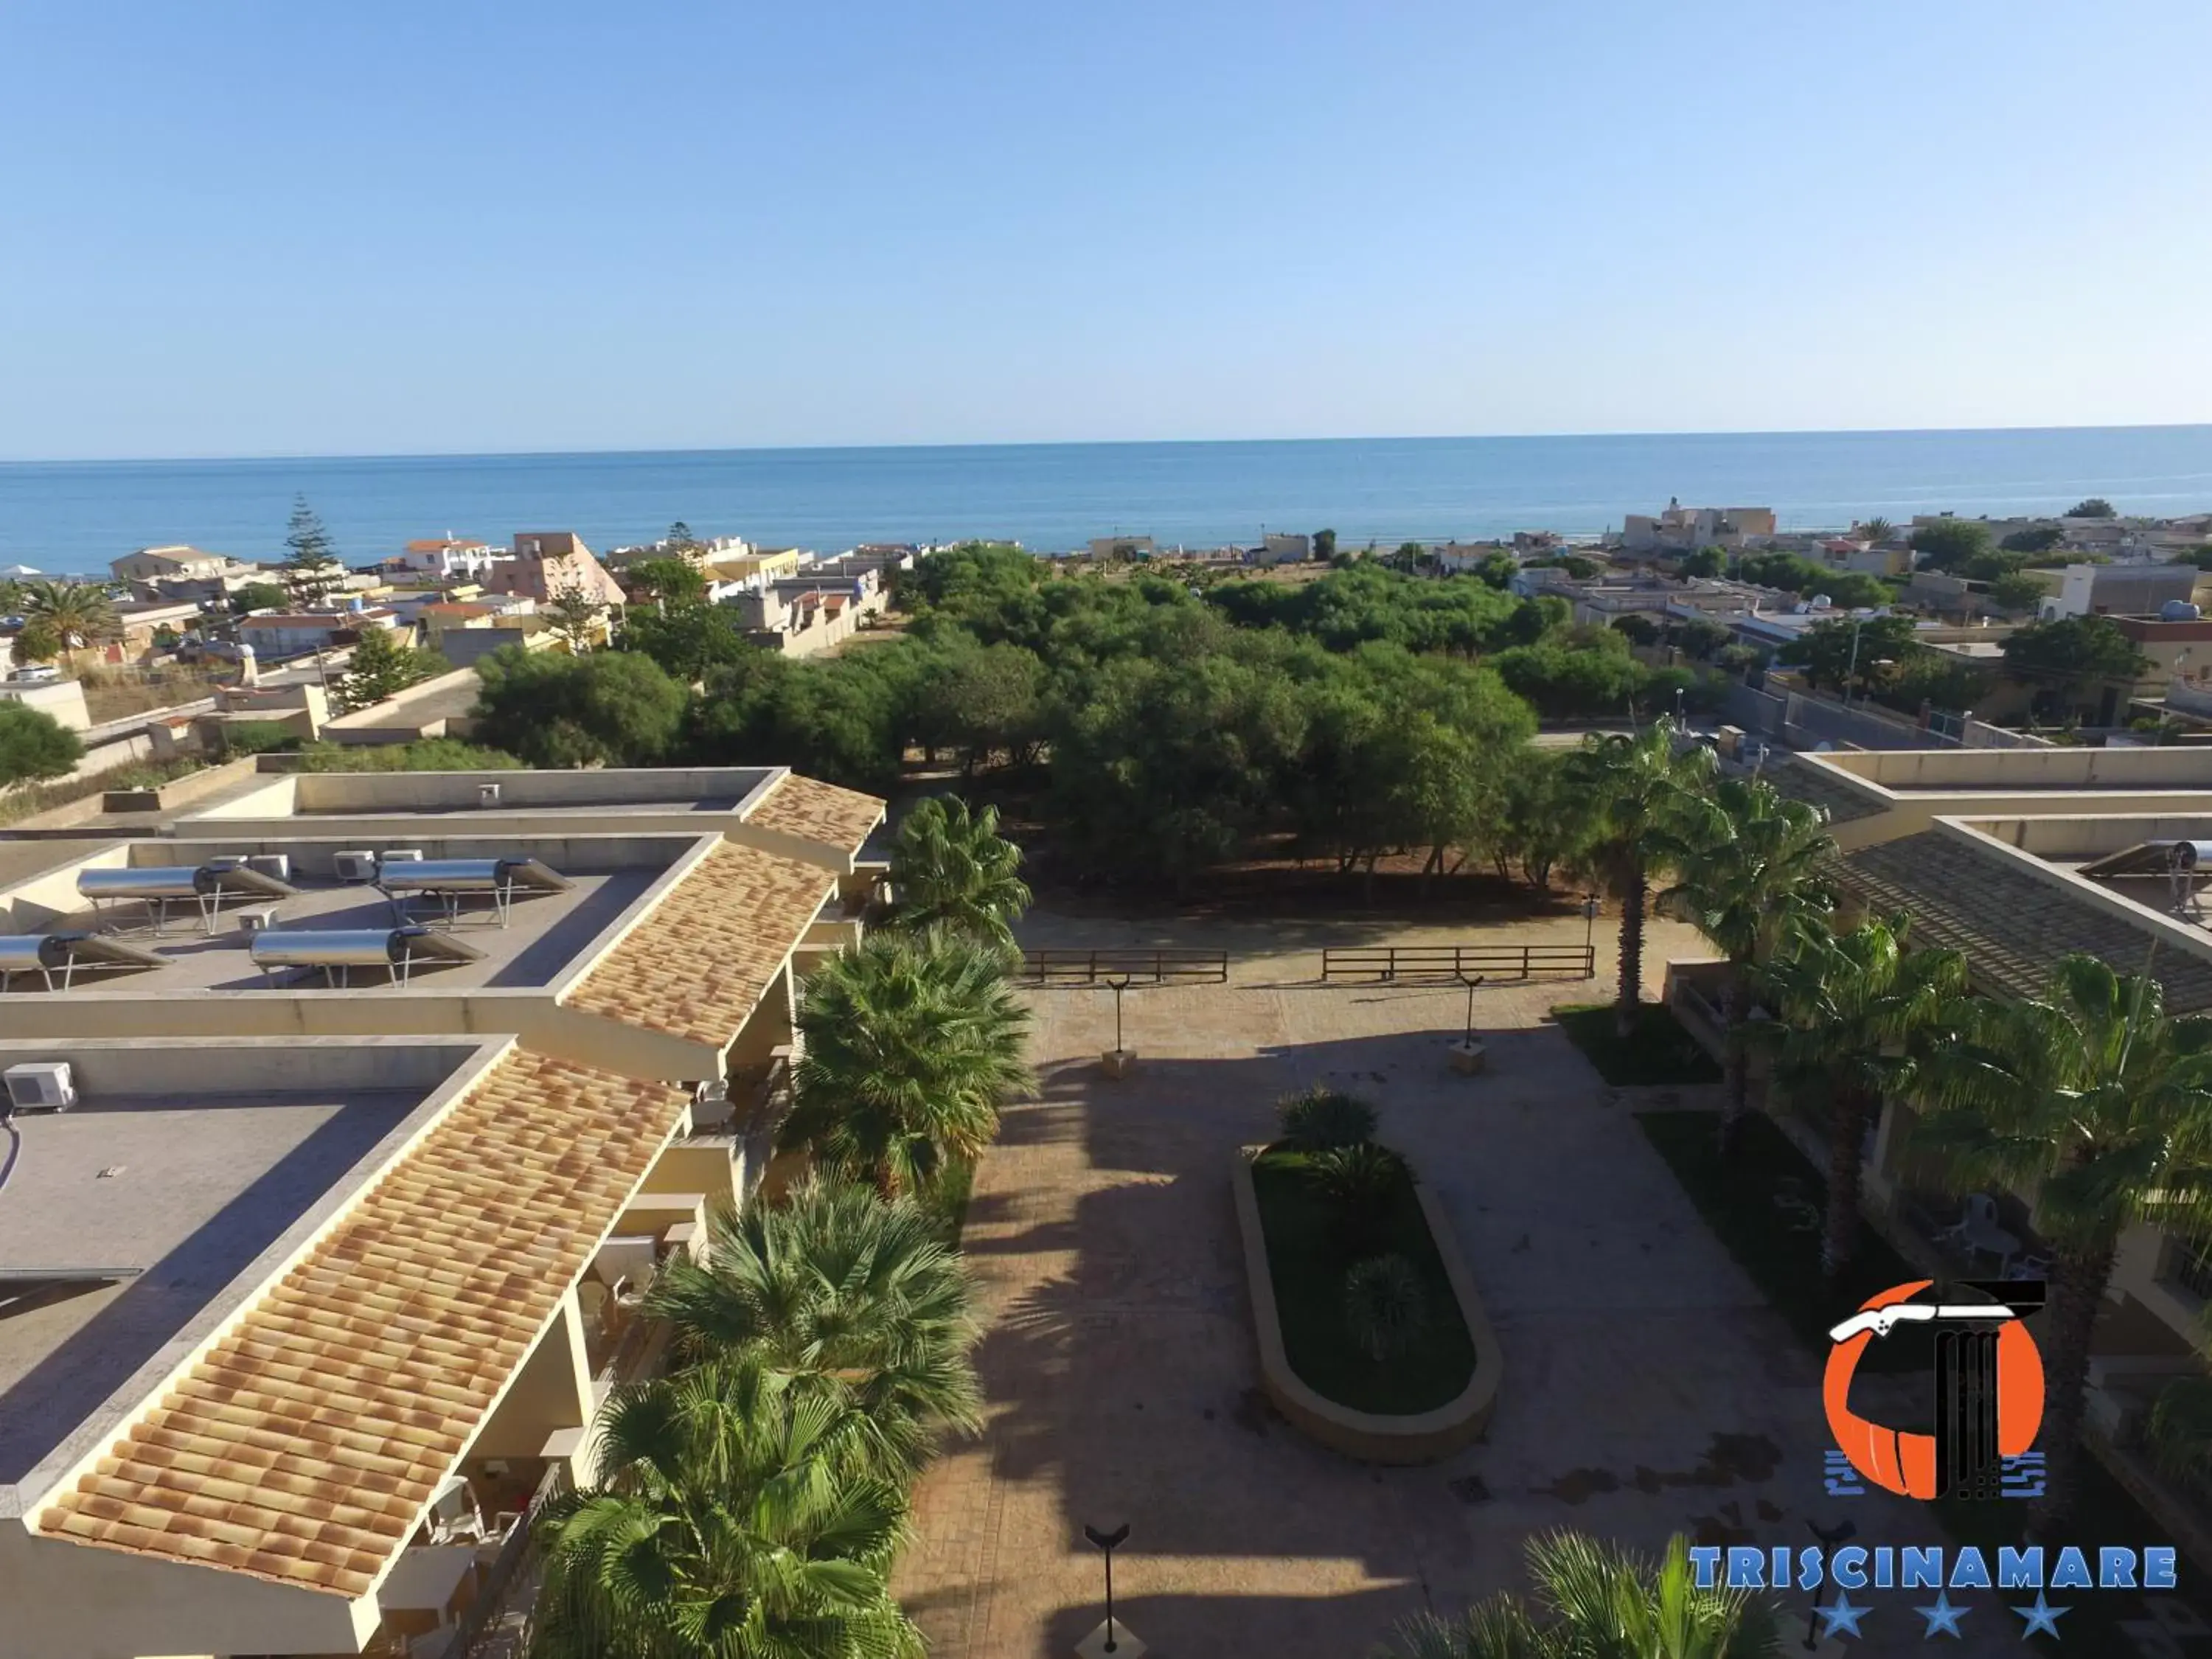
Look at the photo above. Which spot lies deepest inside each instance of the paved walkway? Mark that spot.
(1647, 1389)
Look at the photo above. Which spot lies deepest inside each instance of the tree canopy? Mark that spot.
(34, 744)
(312, 571)
(1829, 652)
(2073, 650)
(1947, 544)
(547, 708)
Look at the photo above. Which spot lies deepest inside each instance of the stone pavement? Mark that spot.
(1648, 1390)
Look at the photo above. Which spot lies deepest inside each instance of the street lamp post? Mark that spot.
(1590, 935)
(1119, 983)
(1471, 980)
(1110, 1541)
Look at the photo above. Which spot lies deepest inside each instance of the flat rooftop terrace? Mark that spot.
(770, 807)
(188, 1169)
(448, 794)
(2021, 771)
(545, 933)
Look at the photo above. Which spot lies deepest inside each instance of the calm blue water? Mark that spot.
(76, 516)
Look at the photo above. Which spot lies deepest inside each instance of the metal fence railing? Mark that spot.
(496, 1623)
(1375, 963)
(1137, 967)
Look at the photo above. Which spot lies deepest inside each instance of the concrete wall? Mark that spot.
(62, 699)
(2153, 770)
(454, 792)
(68, 1601)
(371, 808)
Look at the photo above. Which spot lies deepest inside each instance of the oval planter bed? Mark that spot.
(1432, 1394)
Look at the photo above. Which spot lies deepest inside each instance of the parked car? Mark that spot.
(37, 673)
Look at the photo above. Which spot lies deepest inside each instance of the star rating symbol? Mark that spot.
(2041, 1617)
(1941, 1617)
(1841, 1616)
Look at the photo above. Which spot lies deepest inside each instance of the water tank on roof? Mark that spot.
(1821, 602)
(2179, 610)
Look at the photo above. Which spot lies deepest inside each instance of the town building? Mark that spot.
(546, 564)
(1681, 528)
(302, 1326)
(323, 1283)
(2119, 590)
(445, 558)
(1105, 548)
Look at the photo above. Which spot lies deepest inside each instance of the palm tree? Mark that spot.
(1875, 531)
(74, 613)
(733, 1518)
(1636, 783)
(1751, 875)
(911, 1043)
(836, 1283)
(2095, 1101)
(1596, 1600)
(1859, 1014)
(952, 868)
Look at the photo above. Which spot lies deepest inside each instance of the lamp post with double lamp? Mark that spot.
(1116, 1061)
(1109, 1637)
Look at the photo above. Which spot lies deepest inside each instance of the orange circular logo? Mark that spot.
(1911, 1464)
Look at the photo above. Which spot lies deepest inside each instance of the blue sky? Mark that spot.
(265, 229)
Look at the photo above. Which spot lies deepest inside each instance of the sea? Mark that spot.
(72, 517)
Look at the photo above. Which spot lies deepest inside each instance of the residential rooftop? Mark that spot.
(648, 954)
(1875, 795)
(138, 1222)
(771, 807)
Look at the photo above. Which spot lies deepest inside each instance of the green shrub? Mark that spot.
(34, 744)
(1321, 1118)
(1384, 1307)
(431, 754)
(1358, 1182)
(236, 739)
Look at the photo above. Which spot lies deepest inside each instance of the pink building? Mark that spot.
(549, 562)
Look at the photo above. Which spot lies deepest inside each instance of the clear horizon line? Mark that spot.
(1079, 443)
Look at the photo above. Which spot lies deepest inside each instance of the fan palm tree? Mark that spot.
(836, 1283)
(1636, 783)
(1877, 530)
(952, 868)
(1596, 1600)
(732, 1517)
(1860, 1013)
(912, 1042)
(1751, 874)
(2095, 1100)
(74, 613)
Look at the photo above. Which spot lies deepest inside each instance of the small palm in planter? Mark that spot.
(1320, 1118)
(1384, 1306)
(1360, 1183)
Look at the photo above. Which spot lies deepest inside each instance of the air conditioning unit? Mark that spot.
(40, 1086)
(401, 855)
(487, 794)
(354, 867)
(255, 922)
(276, 865)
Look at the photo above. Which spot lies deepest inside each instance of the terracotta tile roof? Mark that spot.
(819, 811)
(2012, 926)
(303, 1448)
(698, 963)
